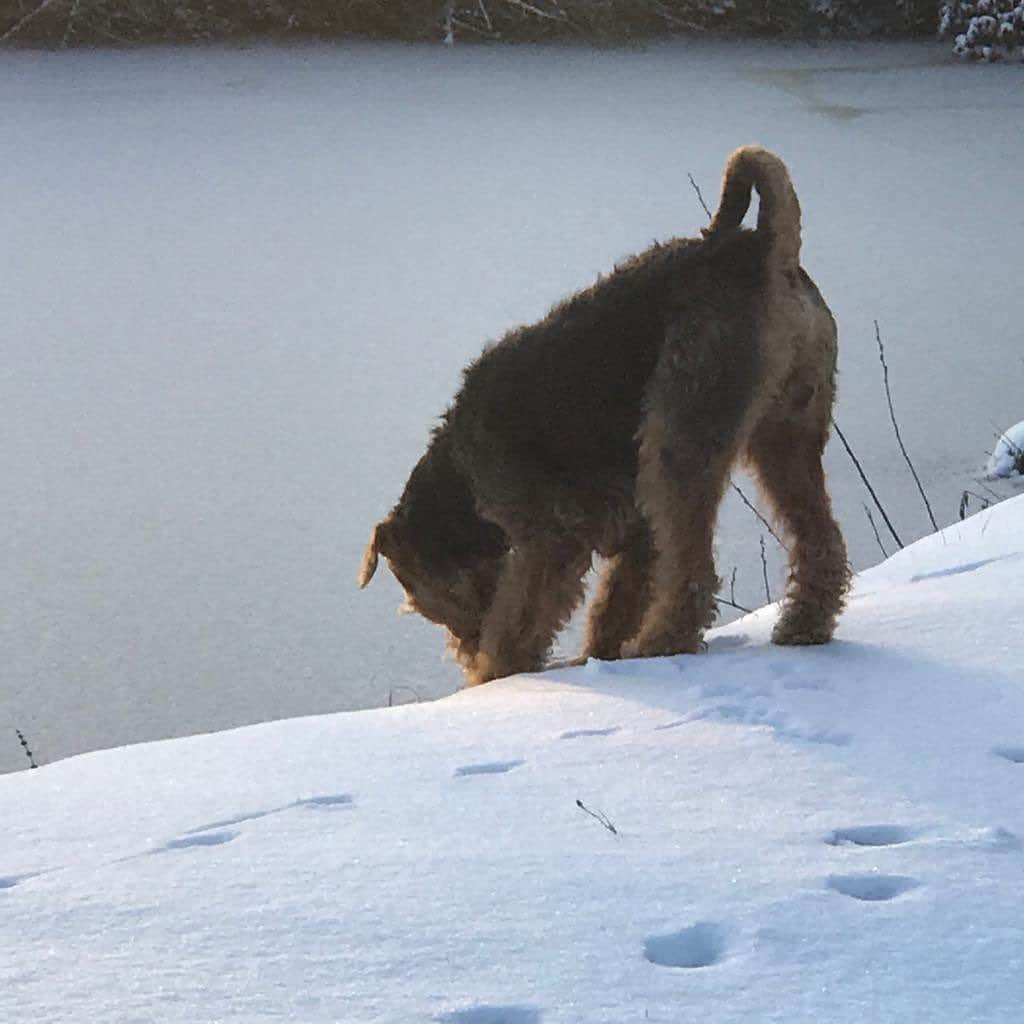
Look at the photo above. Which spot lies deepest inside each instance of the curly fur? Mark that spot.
(611, 426)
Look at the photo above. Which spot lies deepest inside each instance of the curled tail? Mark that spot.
(778, 216)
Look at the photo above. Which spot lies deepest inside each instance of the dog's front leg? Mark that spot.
(540, 585)
(622, 597)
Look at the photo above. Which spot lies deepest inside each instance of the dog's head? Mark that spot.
(453, 591)
(445, 557)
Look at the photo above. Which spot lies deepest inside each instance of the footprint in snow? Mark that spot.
(673, 725)
(575, 734)
(327, 802)
(871, 888)
(700, 945)
(1015, 755)
(330, 801)
(10, 881)
(488, 768)
(811, 683)
(871, 835)
(199, 839)
(227, 822)
(955, 570)
(783, 726)
(491, 1015)
(996, 839)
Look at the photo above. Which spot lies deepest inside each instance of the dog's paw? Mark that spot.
(659, 646)
(800, 634)
(577, 662)
(478, 669)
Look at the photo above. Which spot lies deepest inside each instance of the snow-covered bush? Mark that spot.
(1007, 459)
(984, 29)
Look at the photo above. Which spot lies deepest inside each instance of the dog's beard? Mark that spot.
(457, 601)
(463, 650)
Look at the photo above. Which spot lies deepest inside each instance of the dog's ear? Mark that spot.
(378, 541)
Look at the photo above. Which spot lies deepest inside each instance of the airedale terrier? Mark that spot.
(611, 426)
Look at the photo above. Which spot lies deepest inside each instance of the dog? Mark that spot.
(611, 426)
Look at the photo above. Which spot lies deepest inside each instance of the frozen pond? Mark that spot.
(239, 285)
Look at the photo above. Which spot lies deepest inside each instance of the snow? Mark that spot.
(239, 286)
(800, 835)
(1005, 459)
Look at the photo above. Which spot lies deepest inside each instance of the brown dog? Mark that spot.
(611, 426)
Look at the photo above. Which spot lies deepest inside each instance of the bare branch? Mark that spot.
(598, 816)
(700, 198)
(31, 16)
(28, 753)
(70, 24)
(985, 487)
(449, 23)
(965, 502)
(677, 22)
(764, 570)
(867, 483)
(871, 520)
(732, 604)
(896, 427)
(764, 522)
(416, 695)
(522, 5)
(468, 26)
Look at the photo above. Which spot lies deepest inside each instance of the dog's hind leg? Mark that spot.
(540, 585)
(785, 453)
(698, 401)
(622, 597)
(682, 510)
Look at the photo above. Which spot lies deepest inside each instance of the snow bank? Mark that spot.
(799, 835)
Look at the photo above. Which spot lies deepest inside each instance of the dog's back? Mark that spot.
(554, 407)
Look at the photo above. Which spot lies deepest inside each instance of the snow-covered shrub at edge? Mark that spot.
(1007, 457)
(986, 30)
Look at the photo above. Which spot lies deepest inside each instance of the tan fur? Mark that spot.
(612, 426)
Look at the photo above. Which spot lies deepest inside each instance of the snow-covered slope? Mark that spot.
(813, 835)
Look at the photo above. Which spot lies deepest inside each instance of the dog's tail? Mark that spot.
(778, 216)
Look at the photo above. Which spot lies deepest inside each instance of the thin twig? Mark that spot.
(871, 520)
(70, 24)
(985, 487)
(867, 483)
(470, 27)
(28, 753)
(536, 10)
(965, 502)
(417, 697)
(764, 570)
(700, 198)
(31, 16)
(896, 426)
(732, 585)
(683, 23)
(732, 604)
(598, 816)
(449, 27)
(764, 522)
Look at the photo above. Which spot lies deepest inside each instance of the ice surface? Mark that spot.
(239, 285)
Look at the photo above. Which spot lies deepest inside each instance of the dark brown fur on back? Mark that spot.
(611, 426)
